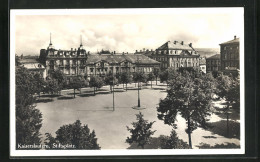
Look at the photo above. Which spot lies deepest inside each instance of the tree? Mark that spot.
(224, 83)
(228, 88)
(190, 95)
(76, 83)
(40, 83)
(28, 118)
(126, 78)
(58, 76)
(168, 75)
(156, 72)
(74, 134)
(141, 133)
(110, 80)
(96, 82)
(164, 77)
(173, 142)
(151, 77)
(51, 86)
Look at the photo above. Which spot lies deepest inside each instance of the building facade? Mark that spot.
(77, 62)
(175, 55)
(229, 55)
(213, 63)
(32, 64)
(203, 66)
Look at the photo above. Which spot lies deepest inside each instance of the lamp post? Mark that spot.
(138, 104)
(113, 94)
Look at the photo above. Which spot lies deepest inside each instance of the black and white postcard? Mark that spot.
(104, 82)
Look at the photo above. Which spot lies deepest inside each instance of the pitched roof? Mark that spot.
(133, 58)
(175, 45)
(231, 41)
(217, 56)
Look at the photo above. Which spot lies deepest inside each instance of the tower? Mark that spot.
(50, 45)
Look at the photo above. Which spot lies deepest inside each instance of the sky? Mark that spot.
(124, 32)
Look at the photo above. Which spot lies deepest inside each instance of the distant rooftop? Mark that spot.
(217, 56)
(133, 58)
(235, 40)
(176, 45)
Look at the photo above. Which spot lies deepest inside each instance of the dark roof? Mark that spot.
(133, 58)
(175, 45)
(217, 56)
(231, 41)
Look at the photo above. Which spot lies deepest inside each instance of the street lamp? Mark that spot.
(113, 94)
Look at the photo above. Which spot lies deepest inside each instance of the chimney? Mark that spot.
(114, 52)
(190, 44)
(144, 49)
(152, 50)
(136, 51)
(126, 52)
(175, 42)
(235, 37)
(140, 50)
(21, 56)
(88, 52)
(123, 53)
(181, 42)
(71, 49)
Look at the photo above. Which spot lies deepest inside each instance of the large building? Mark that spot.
(203, 64)
(229, 55)
(176, 55)
(32, 64)
(76, 62)
(213, 63)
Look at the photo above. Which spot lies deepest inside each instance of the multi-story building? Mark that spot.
(203, 64)
(31, 63)
(76, 62)
(213, 63)
(176, 55)
(229, 56)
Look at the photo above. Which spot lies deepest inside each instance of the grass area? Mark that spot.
(219, 146)
(220, 128)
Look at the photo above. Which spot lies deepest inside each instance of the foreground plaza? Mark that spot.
(110, 126)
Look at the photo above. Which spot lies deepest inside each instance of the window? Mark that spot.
(81, 71)
(73, 71)
(91, 70)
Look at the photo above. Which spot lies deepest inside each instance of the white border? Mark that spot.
(155, 11)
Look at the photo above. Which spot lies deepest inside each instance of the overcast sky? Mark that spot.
(124, 32)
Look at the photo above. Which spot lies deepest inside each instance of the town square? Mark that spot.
(128, 81)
